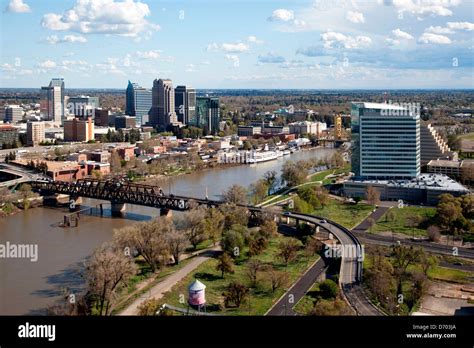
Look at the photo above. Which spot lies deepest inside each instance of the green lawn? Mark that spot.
(261, 298)
(346, 214)
(306, 303)
(450, 275)
(400, 223)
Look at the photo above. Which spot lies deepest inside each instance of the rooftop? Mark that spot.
(423, 181)
(444, 163)
(384, 106)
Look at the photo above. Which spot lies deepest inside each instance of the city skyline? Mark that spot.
(306, 44)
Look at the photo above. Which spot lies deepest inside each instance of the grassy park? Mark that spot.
(406, 220)
(347, 214)
(261, 296)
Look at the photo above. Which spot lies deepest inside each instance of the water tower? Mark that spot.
(197, 295)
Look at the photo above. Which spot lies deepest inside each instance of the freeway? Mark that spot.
(350, 273)
(22, 174)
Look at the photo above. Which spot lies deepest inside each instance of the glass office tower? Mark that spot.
(207, 114)
(385, 141)
(138, 102)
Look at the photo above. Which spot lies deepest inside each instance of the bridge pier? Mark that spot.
(165, 212)
(118, 209)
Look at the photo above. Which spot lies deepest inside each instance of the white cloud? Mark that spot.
(282, 14)
(337, 40)
(253, 39)
(125, 18)
(355, 17)
(190, 68)
(234, 59)
(461, 26)
(228, 47)
(438, 30)
(402, 35)
(153, 54)
(47, 64)
(425, 7)
(271, 57)
(54, 39)
(287, 17)
(430, 38)
(18, 6)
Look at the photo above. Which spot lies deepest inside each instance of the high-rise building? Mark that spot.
(163, 104)
(207, 114)
(79, 130)
(82, 106)
(138, 102)
(34, 133)
(185, 103)
(13, 113)
(385, 141)
(52, 100)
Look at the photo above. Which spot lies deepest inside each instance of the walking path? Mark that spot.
(166, 284)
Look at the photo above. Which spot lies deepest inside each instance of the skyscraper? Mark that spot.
(138, 102)
(207, 114)
(34, 133)
(163, 113)
(185, 103)
(385, 141)
(52, 100)
(82, 106)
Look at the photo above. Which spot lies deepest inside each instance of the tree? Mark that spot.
(257, 244)
(328, 289)
(233, 241)
(373, 195)
(293, 174)
(25, 191)
(330, 308)
(107, 271)
(149, 307)
(277, 278)
(233, 215)
(236, 194)
(301, 206)
(308, 194)
(115, 161)
(253, 267)
(288, 250)
(370, 222)
(177, 242)
(225, 264)
(389, 215)
(259, 191)
(268, 229)
(337, 160)
(235, 294)
(270, 178)
(191, 222)
(433, 233)
(402, 258)
(213, 224)
(148, 239)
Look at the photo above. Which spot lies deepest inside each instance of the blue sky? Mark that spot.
(239, 44)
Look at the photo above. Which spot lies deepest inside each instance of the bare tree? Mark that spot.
(177, 242)
(373, 195)
(253, 267)
(107, 271)
(288, 250)
(236, 194)
(434, 233)
(213, 224)
(278, 279)
(192, 224)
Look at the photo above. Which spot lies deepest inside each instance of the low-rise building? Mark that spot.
(13, 113)
(425, 188)
(248, 131)
(125, 122)
(459, 170)
(79, 130)
(307, 127)
(126, 153)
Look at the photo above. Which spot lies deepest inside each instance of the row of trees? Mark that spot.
(392, 280)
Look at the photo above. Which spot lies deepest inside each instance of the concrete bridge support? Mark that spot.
(118, 209)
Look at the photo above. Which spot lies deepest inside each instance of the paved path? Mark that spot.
(298, 290)
(166, 284)
(376, 215)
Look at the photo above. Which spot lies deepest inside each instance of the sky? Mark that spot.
(314, 44)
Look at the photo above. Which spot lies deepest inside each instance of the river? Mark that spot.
(29, 287)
